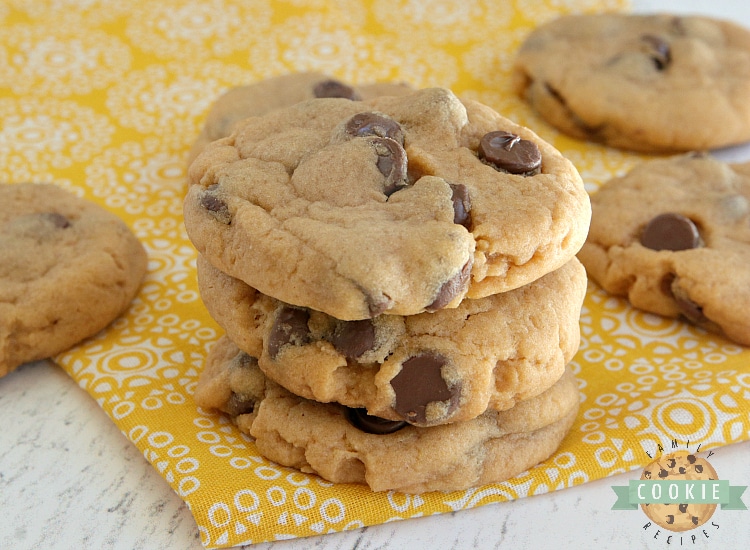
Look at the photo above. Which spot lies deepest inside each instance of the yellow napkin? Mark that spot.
(106, 97)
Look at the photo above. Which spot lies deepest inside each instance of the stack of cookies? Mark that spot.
(397, 280)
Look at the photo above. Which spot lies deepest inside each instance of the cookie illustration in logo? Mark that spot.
(680, 465)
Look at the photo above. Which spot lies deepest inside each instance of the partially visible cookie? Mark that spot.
(346, 446)
(427, 369)
(679, 466)
(395, 205)
(673, 236)
(651, 83)
(69, 267)
(277, 92)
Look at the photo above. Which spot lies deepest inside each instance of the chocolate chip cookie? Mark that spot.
(651, 83)
(426, 369)
(673, 235)
(345, 445)
(68, 269)
(394, 205)
(277, 92)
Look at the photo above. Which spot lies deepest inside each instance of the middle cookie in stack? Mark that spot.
(412, 256)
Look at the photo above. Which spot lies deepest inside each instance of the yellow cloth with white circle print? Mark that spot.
(105, 98)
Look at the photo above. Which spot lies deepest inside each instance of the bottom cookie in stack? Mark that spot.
(345, 445)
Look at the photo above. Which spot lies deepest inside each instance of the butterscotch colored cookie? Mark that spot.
(652, 83)
(673, 236)
(678, 466)
(68, 269)
(274, 93)
(426, 369)
(347, 446)
(394, 205)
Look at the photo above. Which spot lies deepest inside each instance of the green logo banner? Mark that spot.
(683, 491)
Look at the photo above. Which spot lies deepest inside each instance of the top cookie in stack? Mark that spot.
(395, 205)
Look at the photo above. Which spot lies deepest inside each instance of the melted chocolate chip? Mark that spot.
(670, 231)
(420, 383)
(353, 338)
(57, 220)
(391, 163)
(451, 288)
(378, 304)
(658, 49)
(335, 88)
(215, 205)
(689, 309)
(509, 153)
(237, 405)
(374, 124)
(461, 205)
(290, 327)
(372, 424)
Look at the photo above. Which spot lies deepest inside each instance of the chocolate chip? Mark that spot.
(461, 205)
(670, 231)
(372, 424)
(691, 460)
(353, 338)
(377, 304)
(509, 153)
(57, 220)
(290, 327)
(391, 163)
(692, 311)
(237, 405)
(663, 473)
(420, 383)
(374, 124)
(451, 288)
(688, 308)
(215, 205)
(658, 49)
(670, 519)
(682, 508)
(335, 88)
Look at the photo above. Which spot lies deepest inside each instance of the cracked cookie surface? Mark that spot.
(673, 236)
(69, 267)
(426, 369)
(392, 205)
(651, 83)
(344, 446)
